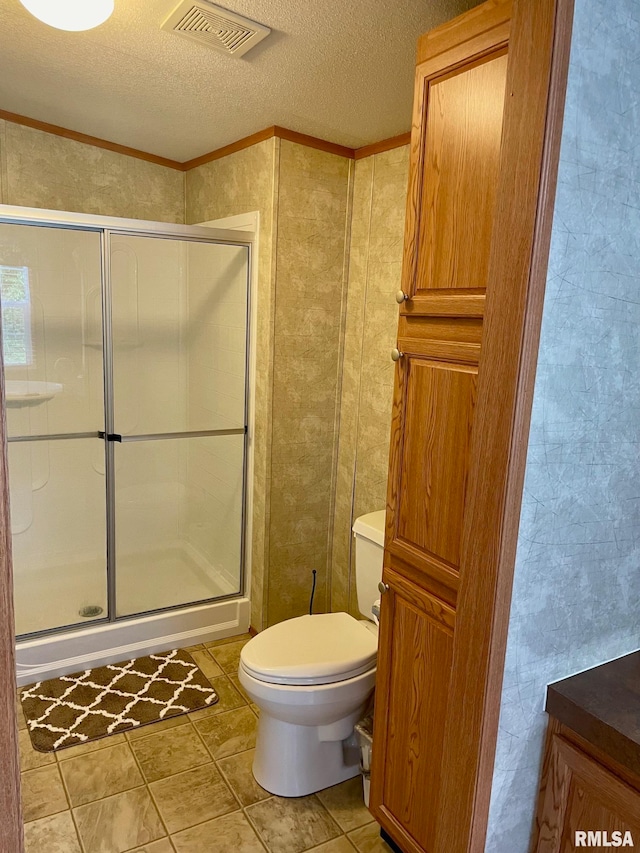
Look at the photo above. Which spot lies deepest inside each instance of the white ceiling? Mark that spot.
(341, 70)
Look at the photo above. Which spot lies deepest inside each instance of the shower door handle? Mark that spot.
(112, 436)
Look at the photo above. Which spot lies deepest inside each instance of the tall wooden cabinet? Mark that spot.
(484, 147)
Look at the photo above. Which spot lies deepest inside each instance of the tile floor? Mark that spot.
(183, 786)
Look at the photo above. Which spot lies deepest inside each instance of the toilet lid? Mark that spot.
(319, 649)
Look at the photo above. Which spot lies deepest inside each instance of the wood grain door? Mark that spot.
(460, 409)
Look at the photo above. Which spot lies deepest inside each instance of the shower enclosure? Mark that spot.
(125, 362)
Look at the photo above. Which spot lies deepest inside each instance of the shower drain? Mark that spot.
(90, 611)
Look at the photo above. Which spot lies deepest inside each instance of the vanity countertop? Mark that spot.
(603, 706)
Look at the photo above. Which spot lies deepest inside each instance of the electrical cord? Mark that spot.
(313, 591)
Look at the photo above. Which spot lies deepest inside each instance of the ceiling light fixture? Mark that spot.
(71, 15)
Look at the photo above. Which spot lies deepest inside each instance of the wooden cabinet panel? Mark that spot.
(439, 401)
(586, 813)
(461, 161)
(414, 717)
(579, 795)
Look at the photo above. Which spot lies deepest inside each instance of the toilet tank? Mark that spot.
(368, 531)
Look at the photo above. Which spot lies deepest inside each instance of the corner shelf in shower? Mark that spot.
(20, 392)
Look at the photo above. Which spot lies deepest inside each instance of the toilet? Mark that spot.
(311, 677)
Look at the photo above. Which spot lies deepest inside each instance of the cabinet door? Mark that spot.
(416, 688)
(452, 195)
(582, 797)
(481, 134)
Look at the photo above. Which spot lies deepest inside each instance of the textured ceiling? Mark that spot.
(341, 70)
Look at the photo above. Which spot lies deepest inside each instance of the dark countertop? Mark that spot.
(603, 706)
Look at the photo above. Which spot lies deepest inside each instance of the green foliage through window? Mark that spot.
(16, 316)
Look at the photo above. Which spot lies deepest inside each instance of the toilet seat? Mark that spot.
(321, 649)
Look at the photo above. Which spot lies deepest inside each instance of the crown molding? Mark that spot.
(88, 140)
(218, 153)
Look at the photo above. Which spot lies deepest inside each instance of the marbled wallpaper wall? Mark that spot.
(576, 594)
(38, 169)
(313, 217)
(375, 261)
(241, 183)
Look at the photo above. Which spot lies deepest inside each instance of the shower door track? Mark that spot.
(164, 436)
(60, 436)
(153, 436)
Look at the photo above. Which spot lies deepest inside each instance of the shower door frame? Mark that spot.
(105, 227)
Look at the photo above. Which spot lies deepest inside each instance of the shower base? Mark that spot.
(146, 581)
(52, 596)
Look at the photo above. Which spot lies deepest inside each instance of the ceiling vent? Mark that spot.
(215, 27)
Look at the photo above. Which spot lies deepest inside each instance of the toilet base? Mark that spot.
(292, 761)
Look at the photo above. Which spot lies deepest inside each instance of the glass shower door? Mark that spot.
(177, 420)
(50, 289)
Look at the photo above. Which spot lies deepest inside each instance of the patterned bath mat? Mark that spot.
(89, 705)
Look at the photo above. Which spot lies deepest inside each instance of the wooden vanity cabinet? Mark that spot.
(484, 151)
(583, 790)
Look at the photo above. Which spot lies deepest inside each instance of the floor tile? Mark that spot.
(170, 752)
(91, 746)
(195, 648)
(55, 834)
(206, 806)
(227, 734)
(367, 839)
(206, 663)
(119, 823)
(42, 793)
(192, 797)
(228, 655)
(31, 758)
(238, 773)
(244, 638)
(292, 825)
(229, 834)
(100, 774)
(345, 804)
(154, 728)
(162, 846)
(338, 845)
(228, 699)
(236, 683)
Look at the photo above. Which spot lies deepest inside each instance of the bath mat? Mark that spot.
(89, 705)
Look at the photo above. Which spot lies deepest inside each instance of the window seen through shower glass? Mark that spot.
(16, 316)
